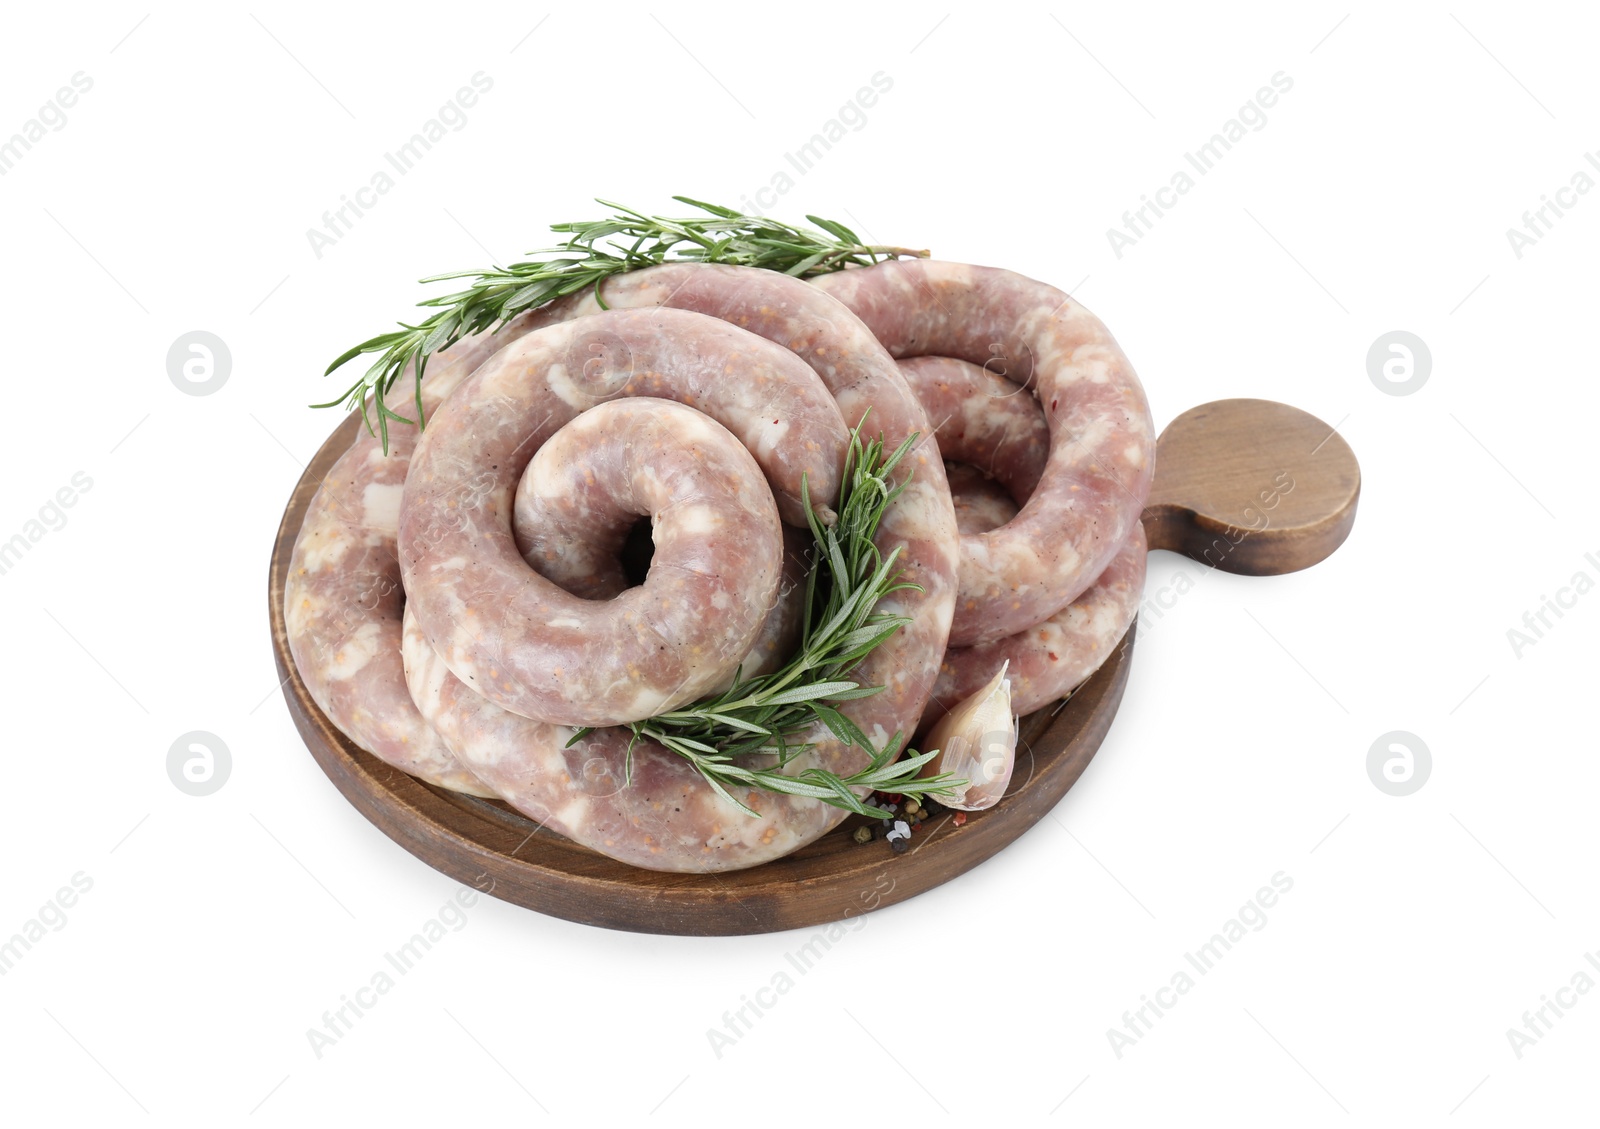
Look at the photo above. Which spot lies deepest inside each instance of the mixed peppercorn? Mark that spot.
(902, 815)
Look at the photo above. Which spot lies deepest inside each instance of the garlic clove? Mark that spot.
(977, 742)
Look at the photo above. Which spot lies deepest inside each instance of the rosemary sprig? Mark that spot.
(840, 626)
(594, 251)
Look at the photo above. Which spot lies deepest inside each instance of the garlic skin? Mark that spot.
(977, 741)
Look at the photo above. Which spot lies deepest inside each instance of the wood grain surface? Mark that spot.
(1252, 486)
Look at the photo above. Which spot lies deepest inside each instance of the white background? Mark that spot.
(1376, 197)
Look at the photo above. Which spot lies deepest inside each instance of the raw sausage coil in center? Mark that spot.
(522, 641)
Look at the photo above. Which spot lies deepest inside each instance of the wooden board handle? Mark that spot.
(1253, 487)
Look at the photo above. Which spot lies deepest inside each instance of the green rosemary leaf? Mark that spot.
(815, 691)
(858, 692)
(737, 723)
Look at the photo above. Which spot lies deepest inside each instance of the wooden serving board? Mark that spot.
(1249, 486)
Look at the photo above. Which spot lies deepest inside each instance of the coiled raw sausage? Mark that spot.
(1102, 442)
(519, 639)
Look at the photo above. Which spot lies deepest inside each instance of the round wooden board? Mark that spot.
(486, 844)
(1250, 486)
